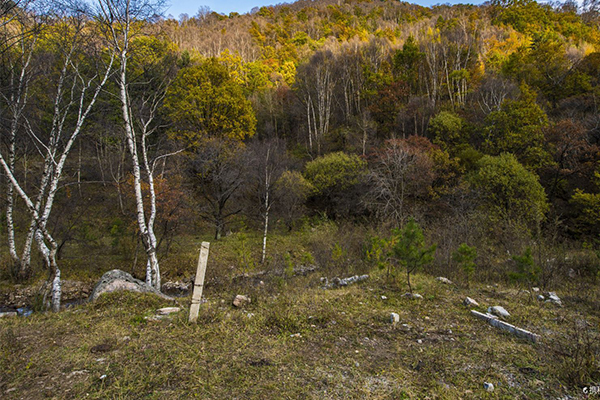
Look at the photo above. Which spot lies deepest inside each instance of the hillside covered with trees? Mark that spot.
(342, 134)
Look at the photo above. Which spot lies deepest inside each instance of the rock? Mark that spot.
(304, 269)
(75, 373)
(540, 297)
(535, 289)
(413, 296)
(441, 279)
(499, 311)
(469, 302)
(117, 280)
(168, 310)
(340, 282)
(7, 314)
(553, 298)
(176, 288)
(383, 297)
(394, 318)
(419, 341)
(241, 300)
(489, 387)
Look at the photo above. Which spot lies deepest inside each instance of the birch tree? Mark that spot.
(316, 83)
(18, 44)
(123, 21)
(267, 164)
(73, 95)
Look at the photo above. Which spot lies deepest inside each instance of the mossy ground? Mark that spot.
(346, 348)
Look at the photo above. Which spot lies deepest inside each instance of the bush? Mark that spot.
(335, 171)
(465, 256)
(509, 191)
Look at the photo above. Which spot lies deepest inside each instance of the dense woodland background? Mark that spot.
(344, 118)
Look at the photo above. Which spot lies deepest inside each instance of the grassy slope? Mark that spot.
(347, 349)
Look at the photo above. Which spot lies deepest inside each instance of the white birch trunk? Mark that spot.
(267, 207)
(17, 102)
(146, 232)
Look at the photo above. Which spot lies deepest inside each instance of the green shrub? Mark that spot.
(509, 191)
(465, 256)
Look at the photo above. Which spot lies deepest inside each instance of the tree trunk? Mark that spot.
(266, 222)
(148, 238)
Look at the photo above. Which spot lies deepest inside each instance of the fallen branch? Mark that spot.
(494, 321)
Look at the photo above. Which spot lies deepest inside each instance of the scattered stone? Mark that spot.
(489, 387)
(499, 311)
(540, 297)
(413, 296)
(441, 279)
(176, 288)
(8, 314)
(75, 373)
(168, 310)
(103, 377)
(341, 282)
(253, 276)
(553, 298)
(117, 280)
(535, 289)
(383, 297)
(419, 341)
(304, 269)
(394, 318)
(296, 335)
(241, 300)
(469, 302)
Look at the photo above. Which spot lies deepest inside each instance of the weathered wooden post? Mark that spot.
(199, 283)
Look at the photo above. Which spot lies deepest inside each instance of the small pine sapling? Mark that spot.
(528, 271)
(410, 250)
(377, 254)
(465, 256)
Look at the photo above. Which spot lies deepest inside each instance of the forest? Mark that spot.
(123, 131)
(350, 135)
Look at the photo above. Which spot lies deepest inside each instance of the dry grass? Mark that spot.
(347, 348)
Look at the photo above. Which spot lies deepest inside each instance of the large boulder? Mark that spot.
(116, 280)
